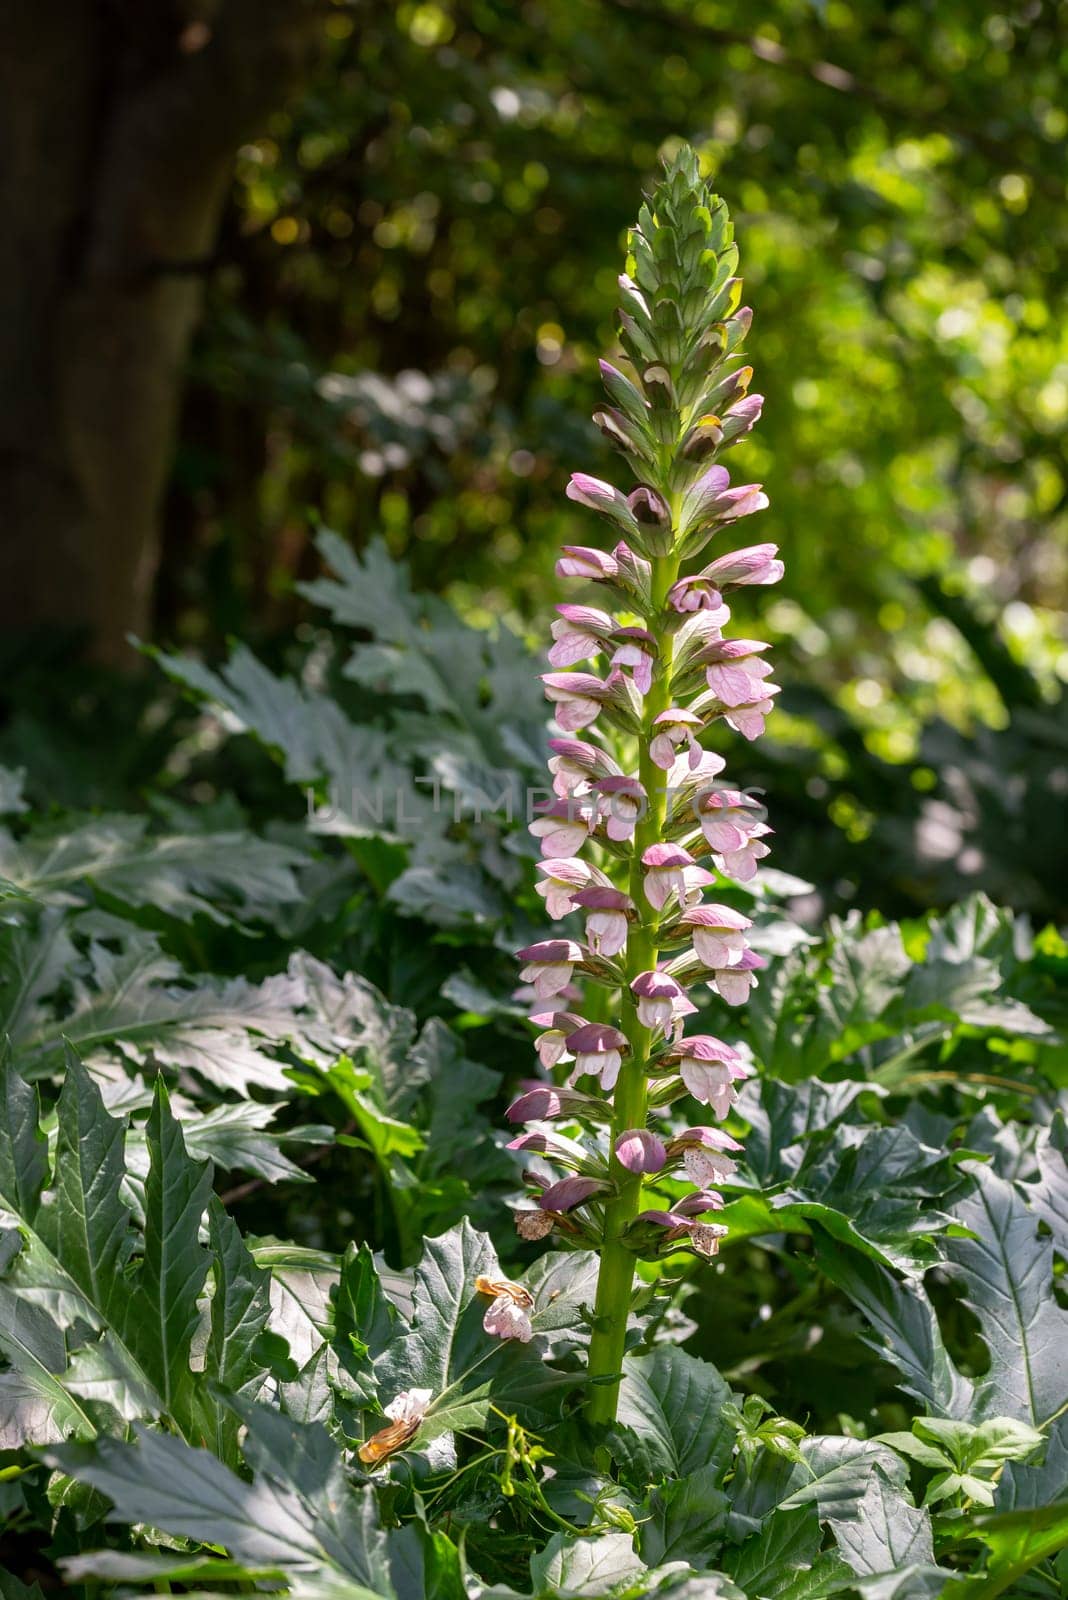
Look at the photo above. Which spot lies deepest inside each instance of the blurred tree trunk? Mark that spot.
(118, 124)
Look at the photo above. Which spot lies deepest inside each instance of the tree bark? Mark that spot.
(118, 122)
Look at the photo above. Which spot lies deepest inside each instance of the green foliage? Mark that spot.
(420, 770)
(867, 1394)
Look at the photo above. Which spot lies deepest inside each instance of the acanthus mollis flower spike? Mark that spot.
(628, 790)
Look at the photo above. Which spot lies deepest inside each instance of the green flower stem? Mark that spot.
(615, 1281)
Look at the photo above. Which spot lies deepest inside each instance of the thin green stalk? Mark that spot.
(615, 1280)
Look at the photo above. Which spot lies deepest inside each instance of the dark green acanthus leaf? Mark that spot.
(163, 1482)
(904, 1327)
(304, 1462)
(86, 1224)
(23, 1147)
(585, 1567)
(161, 1315)
(36, 1402)
(66, 1267)
(231, 878)
(1022, 1488)
(239, 1311)
(672, 1406)
(862, 1003)
(444, 1347)
(685, 1520)
(1006, 1271)
(99, 1322)
(1049, 1195)
(787, 1546)
(364, 1318)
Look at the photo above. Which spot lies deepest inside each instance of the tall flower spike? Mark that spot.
(643, 673)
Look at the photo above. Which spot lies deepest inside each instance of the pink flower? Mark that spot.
(694, 594)
(670, 870)
(698, 1203)
(606, 923)
(579, 633)
(734, 982)
(570, 1192)
(712, 500)
(551, 1047)
(563, 827)
(749, 720)
(602, 497)
(574, 764)
(677, 727)
(661, 1000)
(728, 818)
(598, 1049)
(409, 1406)
(755, 564)
(578, 697)
(562, 878)
(545, 1101)
(557, 1025)
(548, 965)
(702, 1237)
(704, 1156)
(734, 671)
(554, 1145)
(649, 509)
(632, 653)
(742, 418)
(741, 864)
(709, 1068)
(621, 801)
(507, 1320)
(639, 1150)
(582, 561)
(707, 1166)
(718, 933)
